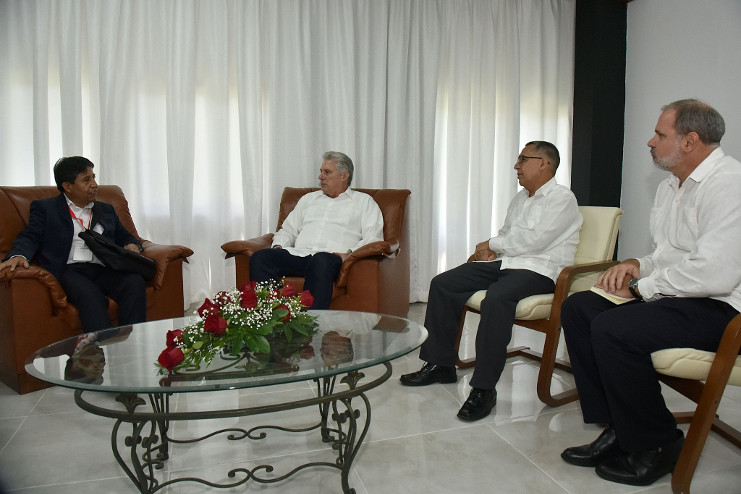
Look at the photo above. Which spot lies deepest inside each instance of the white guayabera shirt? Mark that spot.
(696, 230)
(320, 223)
(540, 233)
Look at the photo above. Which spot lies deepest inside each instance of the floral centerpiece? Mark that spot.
(239, 320)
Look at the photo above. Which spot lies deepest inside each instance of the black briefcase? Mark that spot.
(116, 257)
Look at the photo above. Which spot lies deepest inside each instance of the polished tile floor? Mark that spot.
(415, 443)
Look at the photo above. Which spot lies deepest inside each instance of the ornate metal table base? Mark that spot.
(340, 424)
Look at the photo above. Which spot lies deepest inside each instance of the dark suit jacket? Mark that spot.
(48, 235)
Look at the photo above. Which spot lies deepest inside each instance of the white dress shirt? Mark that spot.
(81, 221)
(541, 232)
(320, 223)
(696, 230)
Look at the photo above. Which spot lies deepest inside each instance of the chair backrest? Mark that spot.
(597, 239)
(15, 207)
(391, 201)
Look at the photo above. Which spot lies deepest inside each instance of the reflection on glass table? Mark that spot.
(123, 361)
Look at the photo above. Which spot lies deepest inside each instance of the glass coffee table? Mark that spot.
(122, 361)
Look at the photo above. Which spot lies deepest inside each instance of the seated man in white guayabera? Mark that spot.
(321, 231)
(538, 239)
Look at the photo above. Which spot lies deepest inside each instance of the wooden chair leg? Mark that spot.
(545, 375)
(707, 407)
(547, 359)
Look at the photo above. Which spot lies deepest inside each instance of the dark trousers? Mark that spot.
(88, 285)
(449, 292)
(610, 348)
(319, 271)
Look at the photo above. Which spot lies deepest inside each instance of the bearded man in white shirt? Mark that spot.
(321, 231)
(538, 239)
(681, 295)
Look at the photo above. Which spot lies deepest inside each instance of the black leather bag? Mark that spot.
(116, 257)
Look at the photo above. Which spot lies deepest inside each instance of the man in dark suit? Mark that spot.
(51, 237)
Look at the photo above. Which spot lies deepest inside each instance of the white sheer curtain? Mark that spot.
(204, 110)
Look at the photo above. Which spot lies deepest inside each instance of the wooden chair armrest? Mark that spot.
(163, 255)
(382, 248)
(56, 292)
(248, 247)
(567, 275)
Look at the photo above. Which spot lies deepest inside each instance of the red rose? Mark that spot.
(289, 291)
(249, 300)
(307, 300)
(248, 287)
(287, 316)
(171, 357)
(215, 324)
(209, 307)
(174, 337)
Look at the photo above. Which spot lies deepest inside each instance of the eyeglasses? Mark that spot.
(521, 159)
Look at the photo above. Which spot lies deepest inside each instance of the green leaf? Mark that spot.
(262, 345)
(237, 346)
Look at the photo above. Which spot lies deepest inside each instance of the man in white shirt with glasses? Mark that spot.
(321, 231)
(538, 239)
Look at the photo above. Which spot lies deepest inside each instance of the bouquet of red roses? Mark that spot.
(239, 320)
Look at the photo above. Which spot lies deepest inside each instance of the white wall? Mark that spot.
(676, 49)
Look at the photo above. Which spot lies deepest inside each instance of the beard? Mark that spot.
(668, 162)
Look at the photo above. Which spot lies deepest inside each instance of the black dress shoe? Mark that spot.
(642, 467)
(478, 405)
(592, 454)
(430, 374)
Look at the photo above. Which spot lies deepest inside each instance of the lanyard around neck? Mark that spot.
(79, 219)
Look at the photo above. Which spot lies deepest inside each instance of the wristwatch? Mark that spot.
(633, 287)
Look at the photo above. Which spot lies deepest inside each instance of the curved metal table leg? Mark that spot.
(149, 448)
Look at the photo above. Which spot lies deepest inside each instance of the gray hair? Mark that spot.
(693, 115)
(550, 150)
(342, 162)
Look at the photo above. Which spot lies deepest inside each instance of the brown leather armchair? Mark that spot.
(374, 278)
(34, 310)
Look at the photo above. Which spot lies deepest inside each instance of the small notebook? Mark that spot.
(615, 299)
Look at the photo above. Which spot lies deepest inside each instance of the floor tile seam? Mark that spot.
(730, 398)
(464, 425)
(41, 486)
(548, 475)
(710, 471)
(529, 460)
(12, 436)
